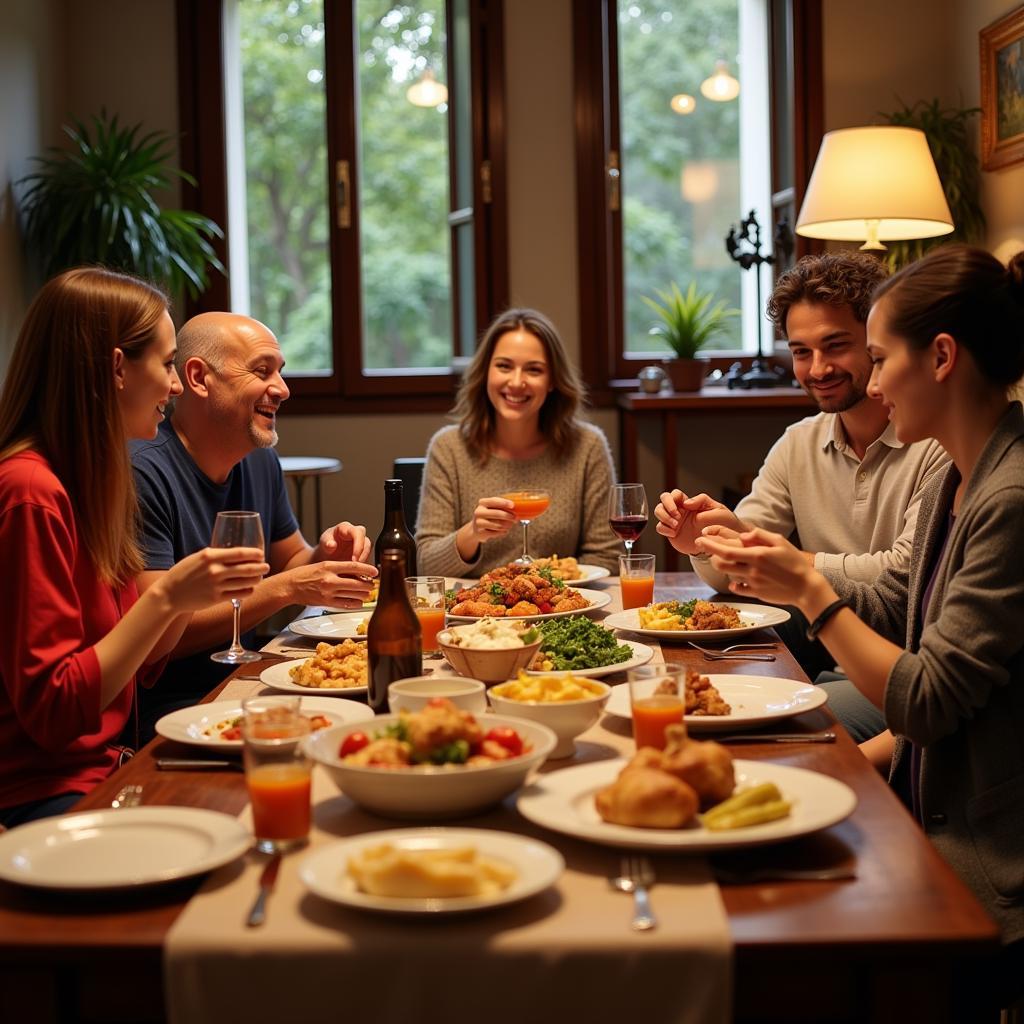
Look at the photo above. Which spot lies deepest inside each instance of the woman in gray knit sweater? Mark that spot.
(938, 645)
(518, 426)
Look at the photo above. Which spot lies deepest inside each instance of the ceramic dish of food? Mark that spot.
(755, 700)
(122, 848)
(415, 693)
(431, 791)
(536, 865)
(595, 599)
(752, 616)
(205, 725)
(489, 664)
(332, 627)
(563, 801)
(277, 677)
(566, 718)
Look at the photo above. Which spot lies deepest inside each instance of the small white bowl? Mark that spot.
(567, 719)
(428, 791)
(414, 693)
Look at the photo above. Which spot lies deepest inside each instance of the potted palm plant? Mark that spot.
(93, 203)
(686, 324)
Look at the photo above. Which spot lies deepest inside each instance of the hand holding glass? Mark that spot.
(627, 513)
(277, 771)
(529, 503)
(237, 530)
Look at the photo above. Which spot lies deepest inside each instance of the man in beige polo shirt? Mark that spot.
(839, 483)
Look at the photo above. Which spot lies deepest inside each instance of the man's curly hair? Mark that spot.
(833, 278)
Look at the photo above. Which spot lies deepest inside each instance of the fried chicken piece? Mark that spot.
(707, 615)
(702, 698)
(570, 604)
(387, 752)
(523, 587)
(523, 608)
(706, 767)
(478, 609)
(647, 798)
(645, 757)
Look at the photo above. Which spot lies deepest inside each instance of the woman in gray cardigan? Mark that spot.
(939, 646)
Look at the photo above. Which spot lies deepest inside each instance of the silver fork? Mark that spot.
(732, 647)
(635, 875)
(127, 796)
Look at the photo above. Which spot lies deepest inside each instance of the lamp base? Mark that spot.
(760, 375)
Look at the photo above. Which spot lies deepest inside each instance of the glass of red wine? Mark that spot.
(627, 512)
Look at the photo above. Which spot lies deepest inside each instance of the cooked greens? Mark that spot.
(577, 642)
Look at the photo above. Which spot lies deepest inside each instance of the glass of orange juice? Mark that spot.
(528, 504)
(277, 771)
(426, 595)
(657, 695)
(636, 580)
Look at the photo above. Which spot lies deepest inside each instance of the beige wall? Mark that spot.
(61, 55)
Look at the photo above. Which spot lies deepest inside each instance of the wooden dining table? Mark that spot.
(883, 945)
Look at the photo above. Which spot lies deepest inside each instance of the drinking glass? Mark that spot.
(277, 771)
(426, 595)
(529, 503)
(237, 530)
(627, 513)
(657, 696)
(636, 580)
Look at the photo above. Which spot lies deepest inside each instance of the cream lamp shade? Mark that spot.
(427, 91)
(874, 185)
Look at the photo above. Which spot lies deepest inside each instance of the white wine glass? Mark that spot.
(237, 530)
(627, 513)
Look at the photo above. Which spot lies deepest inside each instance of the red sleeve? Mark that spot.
(47, 662)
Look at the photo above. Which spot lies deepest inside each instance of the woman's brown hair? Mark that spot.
(558, 416)
(965, 292)
(59, 398)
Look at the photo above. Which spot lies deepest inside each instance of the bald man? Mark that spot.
(216, 453)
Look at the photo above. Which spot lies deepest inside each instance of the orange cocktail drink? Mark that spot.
(650, 717)
(431, 623)
(636, 580)
(528, 504)
(277, 770)
(280, 801)
(426, 595)
(657, 700)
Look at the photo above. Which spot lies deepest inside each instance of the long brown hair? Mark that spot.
(966, 292)
(60, 399)
(558, 415)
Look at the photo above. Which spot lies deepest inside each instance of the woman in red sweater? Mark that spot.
(93, 366)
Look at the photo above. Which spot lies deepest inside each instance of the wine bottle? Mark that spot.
(393, 637)
(394, 533)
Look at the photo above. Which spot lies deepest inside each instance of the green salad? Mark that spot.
(576, 643)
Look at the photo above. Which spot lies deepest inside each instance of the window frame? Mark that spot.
(203, 153)
(606, 367)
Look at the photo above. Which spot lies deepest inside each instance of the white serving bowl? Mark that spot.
(566, 718)
(491, 664)
(414, 693)
(428, 793)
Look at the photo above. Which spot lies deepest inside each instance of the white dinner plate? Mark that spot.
(538, 866)
(641, 655)
(596, 598)
(588, 573)
(332, 627)
(753, 617)
(277, 678)
(118, 849)
(189, 725)
(564, 802)
(754, 700)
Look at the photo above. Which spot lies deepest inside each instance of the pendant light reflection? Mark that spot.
(427, 91)
(721, 86)
(683, 103)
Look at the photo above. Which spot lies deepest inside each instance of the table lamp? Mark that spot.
(874, 185)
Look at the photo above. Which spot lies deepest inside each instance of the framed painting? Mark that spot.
(1002, 91)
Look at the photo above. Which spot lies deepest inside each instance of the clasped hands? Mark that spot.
(340, 571)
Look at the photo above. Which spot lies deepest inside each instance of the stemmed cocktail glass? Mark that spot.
(627, 513)
(237, 530)
(529, 503)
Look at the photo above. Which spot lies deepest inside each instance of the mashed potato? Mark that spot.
(428, 874)
(491, 634)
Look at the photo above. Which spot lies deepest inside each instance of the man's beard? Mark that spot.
(262, 438)
(841, 401)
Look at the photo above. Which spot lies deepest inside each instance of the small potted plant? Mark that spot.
(687, 323)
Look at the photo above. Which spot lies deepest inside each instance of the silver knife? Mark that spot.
(170, 764)
(258, 914)
(778, 737)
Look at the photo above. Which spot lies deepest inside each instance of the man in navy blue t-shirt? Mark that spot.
(217, 454)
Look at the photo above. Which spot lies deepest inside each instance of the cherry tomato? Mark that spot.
(352, 743)
(544, 607)
(508, 738)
